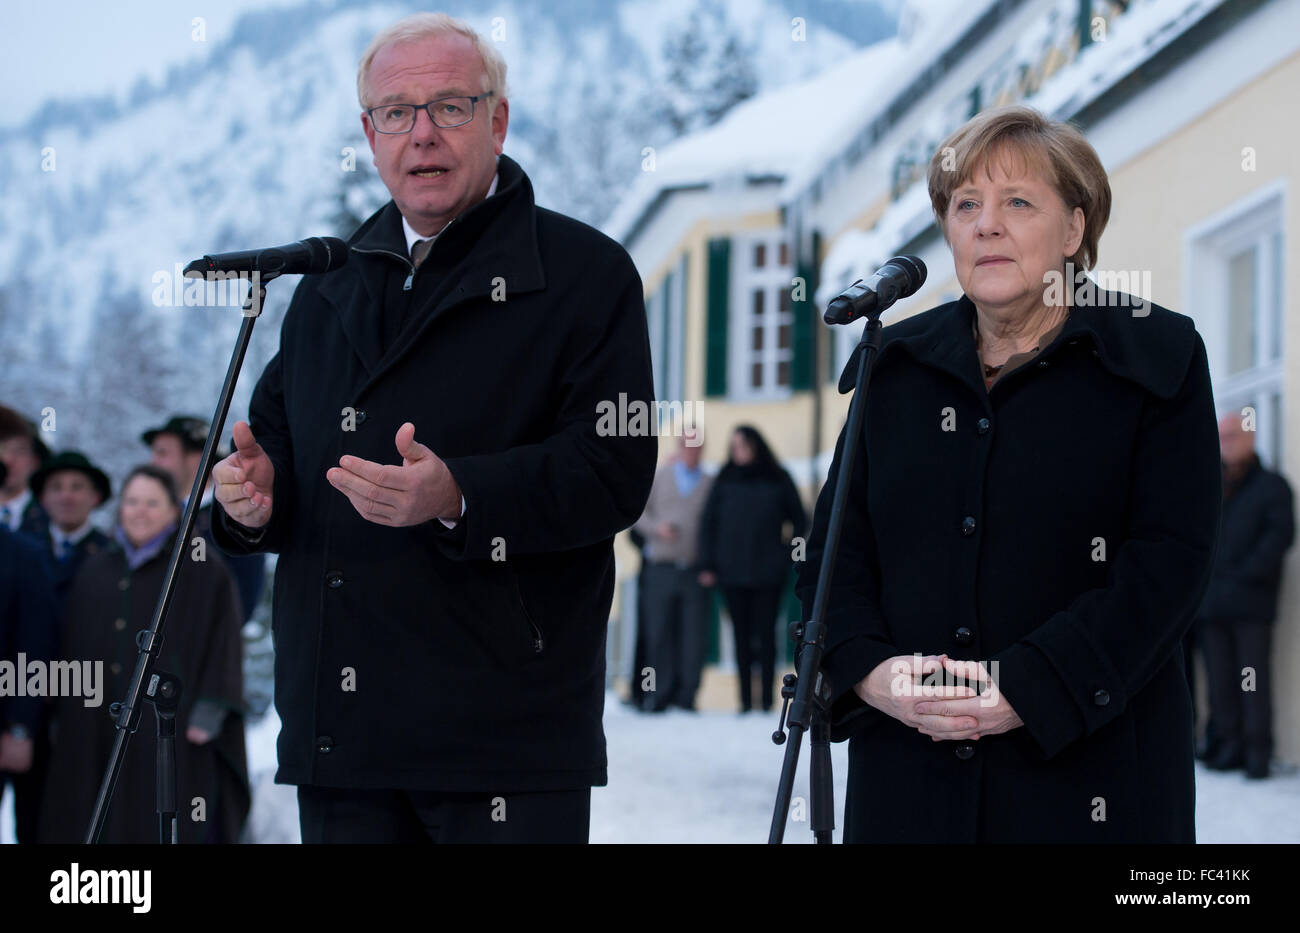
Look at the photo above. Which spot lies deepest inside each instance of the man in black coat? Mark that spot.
(69, 488)
(27, 627)
(1236, 617)
(441, 604)
(177, 447)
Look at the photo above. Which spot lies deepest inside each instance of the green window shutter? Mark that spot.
(715, 338)
(1084, 24)
(793, 613)
(804, 338)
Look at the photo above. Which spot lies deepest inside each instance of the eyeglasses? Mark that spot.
(445, 112)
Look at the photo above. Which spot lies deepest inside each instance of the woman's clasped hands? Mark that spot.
(933, 694)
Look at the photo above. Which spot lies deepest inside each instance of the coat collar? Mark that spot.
(1152, 349)
(494, 240)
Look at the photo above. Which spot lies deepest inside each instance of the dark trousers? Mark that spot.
(28, 787)
(637, 694)
(753, 611)
(1240, 719)
(347, 815)
(676, 617)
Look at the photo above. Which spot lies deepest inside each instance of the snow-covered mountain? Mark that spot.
(261, 144)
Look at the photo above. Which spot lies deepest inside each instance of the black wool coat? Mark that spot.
(106, 606)
(66, 571)
(1059, 527)
(470, 659)
(248, 571)
(1258, 528)
(741, 526)
(29, 618)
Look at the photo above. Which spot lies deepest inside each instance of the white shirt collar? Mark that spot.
(412, 237)
(17, 506)
(59, 535)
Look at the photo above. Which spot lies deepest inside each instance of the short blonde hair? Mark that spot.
(423, 26)
(1059, 150)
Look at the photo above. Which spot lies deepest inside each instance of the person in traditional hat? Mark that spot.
(177, 447)
(69, 488)
(22, 452)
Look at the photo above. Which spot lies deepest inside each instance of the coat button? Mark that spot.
(968, 525)
(334, 579)
(964, 636)
(324, 743)
(123, 583)
(119, 624)
(1101, 698)
(361, 416)
(982, 426)
(115, 668)
(965, 751)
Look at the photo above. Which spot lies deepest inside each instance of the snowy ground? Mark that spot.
(711, 777)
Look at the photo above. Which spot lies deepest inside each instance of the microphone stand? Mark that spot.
(807, 695)
(157, 687)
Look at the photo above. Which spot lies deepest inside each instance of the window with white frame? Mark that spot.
(1236, 267)
(762, 317)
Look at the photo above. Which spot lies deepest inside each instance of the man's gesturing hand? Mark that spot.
(244, 480)
(419, 490)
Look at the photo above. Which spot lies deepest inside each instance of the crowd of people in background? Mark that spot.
(733, 534)
(73, 591)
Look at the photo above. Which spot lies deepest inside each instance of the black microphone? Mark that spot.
(896, 279)
(306, 257)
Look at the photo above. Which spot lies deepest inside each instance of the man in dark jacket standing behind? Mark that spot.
(441, 602)
(1236, 616)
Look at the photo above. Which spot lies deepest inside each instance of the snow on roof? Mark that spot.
(789, 133)
(767, 135)
(1133, 39)
(927, 29)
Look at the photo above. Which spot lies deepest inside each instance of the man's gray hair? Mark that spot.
(423, 26)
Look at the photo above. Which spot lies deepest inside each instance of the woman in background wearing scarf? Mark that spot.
(112, 598)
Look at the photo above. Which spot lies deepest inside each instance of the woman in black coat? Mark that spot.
(112, 598)
(744, 550)
(1032, 514)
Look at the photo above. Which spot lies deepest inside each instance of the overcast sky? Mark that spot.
(55, 48)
